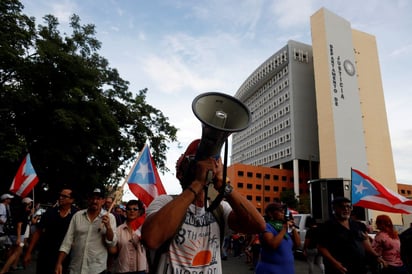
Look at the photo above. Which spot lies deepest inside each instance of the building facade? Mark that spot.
(281, 97)
(405, 190)
(352, 121)
(264, 185)
(318, 110)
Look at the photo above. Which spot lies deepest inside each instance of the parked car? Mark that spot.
(301, 223)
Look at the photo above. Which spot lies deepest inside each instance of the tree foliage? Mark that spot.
(288, 197)
(62, 102)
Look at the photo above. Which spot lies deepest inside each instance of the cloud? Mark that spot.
(63, 10)
(172, 74)
(186, 62)
(289, 14)
(402, 51)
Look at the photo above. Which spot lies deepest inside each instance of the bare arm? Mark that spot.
(162, 225)
(336, 264)
(296, 238)
(18, 228)
(369, 249)
(60, 259)
(272, 240)
(33, 241)
(244, 216)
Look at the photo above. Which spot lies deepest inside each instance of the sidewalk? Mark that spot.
(238, 266)
(231, 266)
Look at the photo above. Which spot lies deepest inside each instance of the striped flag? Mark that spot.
(368, 193)
(25, 179)
(144, 181)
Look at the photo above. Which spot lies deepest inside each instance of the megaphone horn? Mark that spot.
(220, 115)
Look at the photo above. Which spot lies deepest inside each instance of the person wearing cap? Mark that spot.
(21, 221)
(278, 241)
(91, 231)
(343, 243)
(50, 232)
(189, 234)
(4, 210)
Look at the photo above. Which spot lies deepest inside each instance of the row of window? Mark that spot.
(249, 149)
(258, 175)
(408, 192)
(271, 104)
(300, 55)
(273, 62)
(271, 88)
(254, 134)
(286, 152)
(259, 198)
(247, 156)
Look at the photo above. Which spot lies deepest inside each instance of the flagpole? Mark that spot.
(117, 195)
(351, 188)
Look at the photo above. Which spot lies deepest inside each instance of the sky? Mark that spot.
(180, 49)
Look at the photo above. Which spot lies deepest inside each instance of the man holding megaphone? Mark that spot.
(185, 232)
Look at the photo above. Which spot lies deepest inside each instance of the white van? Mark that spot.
(301, 223)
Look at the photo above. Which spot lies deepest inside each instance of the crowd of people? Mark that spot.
(185, 233)
(179, 233)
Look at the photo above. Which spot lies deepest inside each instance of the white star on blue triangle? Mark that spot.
(361, 188)
(143, 171)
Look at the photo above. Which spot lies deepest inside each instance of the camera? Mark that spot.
(287, 213)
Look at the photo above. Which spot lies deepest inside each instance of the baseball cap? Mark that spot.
(26, 200)
(184, 162)
(97, 192)
(273, 207)
(6, 196)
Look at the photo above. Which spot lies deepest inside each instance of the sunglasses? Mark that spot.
(132, 208)
(345, 207)
(64, 196)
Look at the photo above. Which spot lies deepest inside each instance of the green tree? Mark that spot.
(16, 37)
(65, 105)
(304, 203)
(289, 198)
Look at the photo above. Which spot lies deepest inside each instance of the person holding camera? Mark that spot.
(278, 241)
(189, 235)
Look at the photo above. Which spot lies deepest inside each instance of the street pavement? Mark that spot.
(233, 265)
(237, 265)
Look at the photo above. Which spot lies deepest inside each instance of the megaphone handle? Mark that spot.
(220, 196)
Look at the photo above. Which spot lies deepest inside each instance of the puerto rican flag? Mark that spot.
(368, 193)
(25, 179)
(144, 181)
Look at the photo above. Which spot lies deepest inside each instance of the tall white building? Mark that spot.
(280, 94)
(319, 109)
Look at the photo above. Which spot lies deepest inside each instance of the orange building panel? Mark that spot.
(263, 185)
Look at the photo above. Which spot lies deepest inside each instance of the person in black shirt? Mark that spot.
(20, 220)
(50, 232)
(343, 244)
(310, 249)
(406, 247)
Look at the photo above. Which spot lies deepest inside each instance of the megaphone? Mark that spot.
(220, 115)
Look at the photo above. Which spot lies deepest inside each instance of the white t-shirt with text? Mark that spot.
(196, 247)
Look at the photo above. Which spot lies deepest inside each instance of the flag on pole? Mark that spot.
(25, 179)
(144, 181)
(368, 193)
